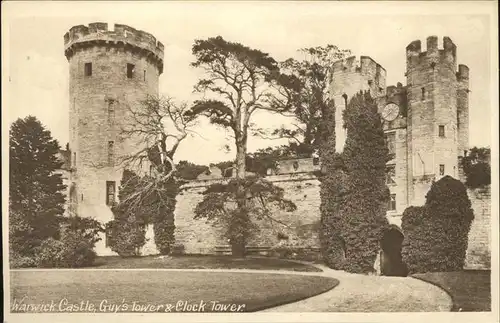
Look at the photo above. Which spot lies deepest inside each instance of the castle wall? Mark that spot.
(202, 237)
(479, 249)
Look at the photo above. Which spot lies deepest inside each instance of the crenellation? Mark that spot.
(432, 45)
(98, 34)
(463, 73)
(415, 57)
(98, 27)
(434, 99)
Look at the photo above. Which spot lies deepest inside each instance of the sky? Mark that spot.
(36, 82)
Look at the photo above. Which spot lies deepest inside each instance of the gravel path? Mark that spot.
(361, 293)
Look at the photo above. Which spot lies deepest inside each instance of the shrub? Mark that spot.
(163, 216)
(436, 234)
(354, 195)
(476, 167)
(177, 250)
(50, 254)
(126, 237)
(17, 261)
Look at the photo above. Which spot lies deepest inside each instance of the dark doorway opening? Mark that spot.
(391, 261)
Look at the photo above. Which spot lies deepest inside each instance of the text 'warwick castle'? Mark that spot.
(426, 123)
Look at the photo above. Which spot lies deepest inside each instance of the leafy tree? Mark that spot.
(476, 166)
(189, 171)
(436, 234)
(36, 201)
(238, 81)
(220, 206)
(364, 205)
(309, 99)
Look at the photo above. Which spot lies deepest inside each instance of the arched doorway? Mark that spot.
(391, 262)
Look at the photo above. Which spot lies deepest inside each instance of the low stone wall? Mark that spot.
(295, 229)
(301, 227)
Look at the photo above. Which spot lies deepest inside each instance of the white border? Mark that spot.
(14, 9)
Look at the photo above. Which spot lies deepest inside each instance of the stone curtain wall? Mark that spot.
(479, 249)
(201, 237)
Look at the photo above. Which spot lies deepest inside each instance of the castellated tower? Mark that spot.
(437, 114)
(109, 71)
(350, 77)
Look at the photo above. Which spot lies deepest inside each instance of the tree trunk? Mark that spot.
(239, 223)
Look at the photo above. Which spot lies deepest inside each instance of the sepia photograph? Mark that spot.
(210, 161)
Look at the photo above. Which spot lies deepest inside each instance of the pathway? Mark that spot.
(361, 293)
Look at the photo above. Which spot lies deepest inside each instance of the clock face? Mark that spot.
(390, 112)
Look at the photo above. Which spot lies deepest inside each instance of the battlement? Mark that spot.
(415, 56)
(365, 66)
(98, 34)
(463, 73)
(395, 89)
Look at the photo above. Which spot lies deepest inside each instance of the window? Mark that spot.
(441, 131)
(391, 143)
(111, 110)
(111, 153)
(295, 165)
(74, 159)
(390, 174)
(88, 69)
(144, 75)
(392, 203)
(315, 161)
(110, 193)
(130, 70)
(423, 93)
(441, 170)
(108, 236)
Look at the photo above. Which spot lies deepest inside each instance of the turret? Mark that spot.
(349, 77)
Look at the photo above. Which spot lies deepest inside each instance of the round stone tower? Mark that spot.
(349, 77)
(109, 72)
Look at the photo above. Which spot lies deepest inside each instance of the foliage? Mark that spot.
(36, 200)
(353, 191)
(364, 157)
(188, 171)
(238, 81)
(436, 234)
(227, 167)
(220, 206)
(73, 250)
(127, 231)
(307, 87)
(476, 167)
(163, 216)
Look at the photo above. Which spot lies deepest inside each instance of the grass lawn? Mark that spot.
(202, 262)
(70, 290)
(470, 290)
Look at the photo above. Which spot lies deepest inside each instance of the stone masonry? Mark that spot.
(109, 70)
(113, 69)
(426, 140)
